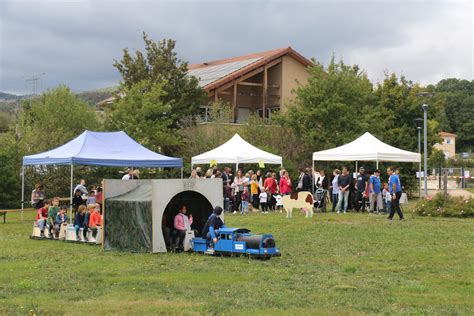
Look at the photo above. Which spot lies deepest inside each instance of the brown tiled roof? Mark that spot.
(268, 56)
(447, 134)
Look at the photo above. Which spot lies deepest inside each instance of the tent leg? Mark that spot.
(377, 164)
(236, 168)
(181, 173)
(22, 191)
(71, 193)
(357, 165)
(312, 177)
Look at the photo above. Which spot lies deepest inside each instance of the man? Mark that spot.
(304, 181)
(395, 188)
(182, 223)
(213, 223)
(375, 192)
(361, 186)
(343, 182)
(81, 187)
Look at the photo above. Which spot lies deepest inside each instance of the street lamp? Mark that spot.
(418, 124)
(425, 136)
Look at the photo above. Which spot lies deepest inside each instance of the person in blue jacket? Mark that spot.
(214, 222)
(395, 188)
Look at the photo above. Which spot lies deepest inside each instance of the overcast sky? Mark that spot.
(75, 42)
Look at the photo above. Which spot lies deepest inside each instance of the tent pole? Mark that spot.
(22, 191)
(357, 165)
(312, 177)
(71, 193)
(181, 173)
(377, 163)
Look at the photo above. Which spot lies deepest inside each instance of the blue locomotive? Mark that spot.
(238, 241)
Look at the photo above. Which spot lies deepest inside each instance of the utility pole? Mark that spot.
(33, 81)
(425, 137)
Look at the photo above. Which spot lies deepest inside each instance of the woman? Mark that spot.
(285, 183)
(335, 188)
(238, 186)
(37, 196)
(194, 174)
(323, 183)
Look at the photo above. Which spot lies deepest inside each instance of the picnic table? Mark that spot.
(5, 212)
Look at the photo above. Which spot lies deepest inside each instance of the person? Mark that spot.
(360, 187)
(52, 213)
(226, 177)
(264, 200)
(128, 175)
(182, 223)
(244, 209)
(81, 187)
(136, 174)
(87, 217)
(343, 183)
(395, 189)
(238, 186)
(375, 193)
(199, 172)
(99, 198)
(61, 220)
(79, 220)
(213, 223)
(208, 174)
(194, 174)
(335, 188)
(37, 196)
(271, 184)
(254, 188)
(285, 183)
(304, 181)
(91, 198)
(77, 200)
(259, 180)
(323, 183)
(42, 217)
(95, 220)
(387, 197)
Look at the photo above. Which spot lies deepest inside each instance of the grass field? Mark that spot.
(331, 264)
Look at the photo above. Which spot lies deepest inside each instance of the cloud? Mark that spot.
(75, 42)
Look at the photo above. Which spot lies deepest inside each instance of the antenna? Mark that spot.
(33, 81)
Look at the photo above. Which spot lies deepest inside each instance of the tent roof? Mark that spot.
(103, 149)
(236, 150)
(366, 148)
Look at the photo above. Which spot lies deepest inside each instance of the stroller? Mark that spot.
(320, 199)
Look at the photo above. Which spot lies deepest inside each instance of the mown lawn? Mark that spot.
(331, 264)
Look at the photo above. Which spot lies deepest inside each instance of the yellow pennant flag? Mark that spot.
(213, 163)
(261, 164)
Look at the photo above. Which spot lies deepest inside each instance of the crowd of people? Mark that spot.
(364, 190)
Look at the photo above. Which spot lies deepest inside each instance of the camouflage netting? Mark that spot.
(128, 221)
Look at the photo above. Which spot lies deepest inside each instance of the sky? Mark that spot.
(75, 42)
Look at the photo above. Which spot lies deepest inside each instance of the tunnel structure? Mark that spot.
(138, 211)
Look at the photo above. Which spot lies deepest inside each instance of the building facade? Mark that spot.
(448, 144)
(260, 84)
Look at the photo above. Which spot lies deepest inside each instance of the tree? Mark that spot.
(159, 65)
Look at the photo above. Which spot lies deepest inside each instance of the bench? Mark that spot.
(5, 212)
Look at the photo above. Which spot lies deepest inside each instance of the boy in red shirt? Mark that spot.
(42, 216)
(95, 220)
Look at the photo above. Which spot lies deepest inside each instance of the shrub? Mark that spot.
(445, 206)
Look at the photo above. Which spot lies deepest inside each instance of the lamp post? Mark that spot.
(418, 124)
(425, 144)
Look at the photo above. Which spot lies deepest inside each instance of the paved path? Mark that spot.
(454, 192)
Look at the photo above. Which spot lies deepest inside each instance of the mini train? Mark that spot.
(238, 241)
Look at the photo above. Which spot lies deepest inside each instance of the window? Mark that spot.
(447, 141)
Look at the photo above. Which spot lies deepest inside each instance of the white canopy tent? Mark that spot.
(366, 148)
(236, 150)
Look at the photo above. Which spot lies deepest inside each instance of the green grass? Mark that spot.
(331, 264)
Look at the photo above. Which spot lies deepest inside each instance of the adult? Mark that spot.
(285, 183)
(194, 174)
(182, 223)
(360, 187)
(77, 200)
(395, 188)
(304, 181)
(37, 196)
(136, 174)
(343, 182)
(226, 177)
(335, 188)
(259, 180)
(81, 187)
(199, 172)
(323, 183)
(213, 223)
(99, 198)
(128, 175)
(375, 192)
(238, 186)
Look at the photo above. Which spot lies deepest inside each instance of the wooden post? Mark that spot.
(264, 88)
(215, 96)
(103, 214)
(234, 102)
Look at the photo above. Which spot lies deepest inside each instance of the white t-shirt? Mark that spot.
(279, 200)
(263, 197)
(126, 177)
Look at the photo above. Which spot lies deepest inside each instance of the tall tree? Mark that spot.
(159, 64)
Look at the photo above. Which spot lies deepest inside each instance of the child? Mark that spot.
(245, 201)
(264, 200)
(52, 213)
(79, 220)
(95, 220)
(61, 219)
(387, 198)
(91, 197)
(90, 209)
(254, 191)
(279, 202)
(42, 217)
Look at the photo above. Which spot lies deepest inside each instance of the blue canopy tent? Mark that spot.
(112, 149)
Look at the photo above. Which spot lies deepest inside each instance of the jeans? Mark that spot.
(78, 229)
(41, 223)
(373, 198)
(388, 207)
(93, 229)
(396, 206)
(360, 201)
(335, 198)
(343, 198)
(245, 207)
(180, 234)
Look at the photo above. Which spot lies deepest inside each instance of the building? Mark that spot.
(448, 144)
(261, 83)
